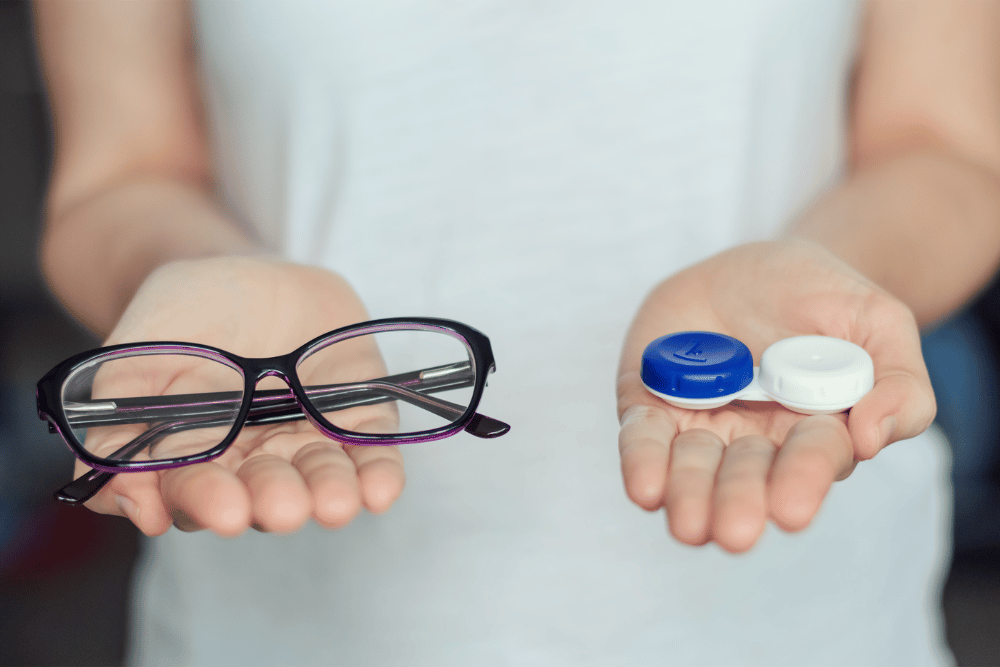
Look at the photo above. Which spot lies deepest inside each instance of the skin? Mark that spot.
(720, 474)
(274, 478)
(908, 236)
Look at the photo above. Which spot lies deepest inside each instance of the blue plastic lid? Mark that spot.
(697, 364)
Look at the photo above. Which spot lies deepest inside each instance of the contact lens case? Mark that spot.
(812, 375)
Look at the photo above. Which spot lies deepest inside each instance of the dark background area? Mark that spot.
(64, 571)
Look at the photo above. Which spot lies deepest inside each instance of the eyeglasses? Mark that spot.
(158, 405)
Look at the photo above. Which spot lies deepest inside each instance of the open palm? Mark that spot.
(274, 477)
(720, 474)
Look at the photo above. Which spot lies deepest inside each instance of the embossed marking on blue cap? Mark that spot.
(693, 353)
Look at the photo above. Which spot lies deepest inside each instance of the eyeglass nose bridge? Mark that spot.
(257, 369)
(282, 367)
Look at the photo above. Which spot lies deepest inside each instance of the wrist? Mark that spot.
(96, 253)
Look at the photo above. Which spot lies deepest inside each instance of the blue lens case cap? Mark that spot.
(697, 365)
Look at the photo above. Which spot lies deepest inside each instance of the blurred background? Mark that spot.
(64, 571)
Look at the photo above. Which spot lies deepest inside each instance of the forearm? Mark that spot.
(96, 252)
(924, 225)
(132, 175)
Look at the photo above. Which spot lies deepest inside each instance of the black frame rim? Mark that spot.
(50, 404)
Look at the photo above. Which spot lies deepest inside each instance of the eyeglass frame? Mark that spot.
(51, 406)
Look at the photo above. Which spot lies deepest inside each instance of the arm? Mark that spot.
(908, 236)
(919, 212)
(136, 248)
(131, 177)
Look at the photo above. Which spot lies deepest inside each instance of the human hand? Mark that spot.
(275, 477)
(720, 474)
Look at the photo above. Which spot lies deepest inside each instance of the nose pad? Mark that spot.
(274, 400)
(273, 386)
(273, 380)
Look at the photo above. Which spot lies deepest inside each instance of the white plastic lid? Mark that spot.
(816, 374)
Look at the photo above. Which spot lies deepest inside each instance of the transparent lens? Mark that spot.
(391, 382)
(152, 406)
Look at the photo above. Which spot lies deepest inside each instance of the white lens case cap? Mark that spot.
(806, 374)
(816, 374)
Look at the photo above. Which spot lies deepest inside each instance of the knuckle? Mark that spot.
(638, 417)
(632, 394)
(888, 311)
(315, 452)
(814, 461)
(753, 447)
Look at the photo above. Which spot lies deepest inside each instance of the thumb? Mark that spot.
(900, 406)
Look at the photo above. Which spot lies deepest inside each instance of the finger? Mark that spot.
(644, 444)
(135, 496)
(206, 495)
(739, 506)
(280, 502)
(694, 462)
(380, 475)
(901, 404)
(332, 479)
(816, 451)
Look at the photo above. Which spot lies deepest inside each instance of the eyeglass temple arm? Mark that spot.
(84, 487)
(141, 409)
(87, 485)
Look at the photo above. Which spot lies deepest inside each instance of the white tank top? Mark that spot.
(533, 169)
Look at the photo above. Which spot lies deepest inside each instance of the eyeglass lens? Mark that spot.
(152, 407)
(403, 381)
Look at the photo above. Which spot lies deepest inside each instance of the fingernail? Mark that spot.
(183, 522)
(129, 508)
(885, 430)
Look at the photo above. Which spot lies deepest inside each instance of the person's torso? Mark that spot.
(533, 169)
